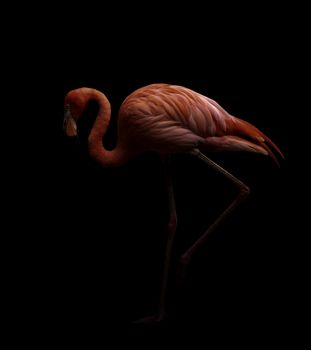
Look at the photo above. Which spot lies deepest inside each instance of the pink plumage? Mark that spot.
(169, 119)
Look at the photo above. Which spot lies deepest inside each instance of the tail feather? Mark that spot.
(246, 130)
(272, 144)
(271, 154)
(232, 143)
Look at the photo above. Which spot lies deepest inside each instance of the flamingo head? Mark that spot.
(75, 102)
(69, 123)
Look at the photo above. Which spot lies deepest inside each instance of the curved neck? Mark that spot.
(106, 158)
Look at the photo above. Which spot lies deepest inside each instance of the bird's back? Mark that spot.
(172, 115)
(187, 108)
(171, 118)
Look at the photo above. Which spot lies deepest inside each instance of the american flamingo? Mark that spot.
(168, 119)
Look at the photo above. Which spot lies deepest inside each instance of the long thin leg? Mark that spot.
(172, 224)
(244, 192)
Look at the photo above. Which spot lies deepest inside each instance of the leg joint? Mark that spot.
(244, 191)
(185, 259)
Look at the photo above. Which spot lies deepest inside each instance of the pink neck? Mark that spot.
(106, 158)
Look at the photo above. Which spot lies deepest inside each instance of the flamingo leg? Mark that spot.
(172, 224)
(244, 192)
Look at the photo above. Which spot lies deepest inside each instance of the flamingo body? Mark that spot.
(169, 119)
(166, 119)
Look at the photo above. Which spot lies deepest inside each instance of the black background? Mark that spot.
(102, 232)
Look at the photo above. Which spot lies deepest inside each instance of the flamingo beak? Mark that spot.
(69, 124)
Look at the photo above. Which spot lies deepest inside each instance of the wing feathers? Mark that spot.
(180, 119)
(246, 130)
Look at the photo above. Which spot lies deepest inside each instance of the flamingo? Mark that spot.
(168, 119)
